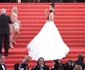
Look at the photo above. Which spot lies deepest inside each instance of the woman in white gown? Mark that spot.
(48, 42)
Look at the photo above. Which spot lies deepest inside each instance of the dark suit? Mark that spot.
(1, 67)
(37, 67)
(16, 66)
(69, 67)
(58, 67)
(78, 62)
(4, 32)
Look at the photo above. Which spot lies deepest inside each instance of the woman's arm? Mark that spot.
(46, 12)
(14, 18)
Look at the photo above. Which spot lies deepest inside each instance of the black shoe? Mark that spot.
(6, 54)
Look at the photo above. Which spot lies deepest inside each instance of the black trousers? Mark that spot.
(6, 42)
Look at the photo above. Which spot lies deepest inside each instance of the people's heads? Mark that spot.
(26, 59)
(2, 57)
(70, 62)
(80, 57)
(41, 61)
(3, 11)
(77, 67)
(57, 61)
(51, 7)
(14, 9)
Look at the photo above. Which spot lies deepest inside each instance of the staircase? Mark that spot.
(69, 18)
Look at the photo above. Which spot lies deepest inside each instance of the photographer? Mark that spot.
(80, 62)
(58, 65)
(23, 65)
(69, 65)
(41, 65)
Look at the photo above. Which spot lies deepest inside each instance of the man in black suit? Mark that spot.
(41, 65)
(69, 65)
(2, 65)
(80, 61)
(23, 65)
(4, 31)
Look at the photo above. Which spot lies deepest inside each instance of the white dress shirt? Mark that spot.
(3, 66)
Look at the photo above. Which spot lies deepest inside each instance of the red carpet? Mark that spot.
(69, 18)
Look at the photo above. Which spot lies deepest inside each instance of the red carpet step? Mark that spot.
(69, 18)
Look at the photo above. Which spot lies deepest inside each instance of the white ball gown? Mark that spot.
(48, 44)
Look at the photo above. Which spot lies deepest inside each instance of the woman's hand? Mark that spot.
(46, 11)
(19, 21)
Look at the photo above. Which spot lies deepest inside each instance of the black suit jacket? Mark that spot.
(4, 24)
(37, 67)
(80, 63)
(69, 67)
(58, 67)
(23, 66)
(1, 67)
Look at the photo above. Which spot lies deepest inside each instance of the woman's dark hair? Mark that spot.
(39, 59)
(80, 57)
(52, 5)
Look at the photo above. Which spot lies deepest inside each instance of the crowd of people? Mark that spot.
(42, 0)
(58, 65)
(41, 64)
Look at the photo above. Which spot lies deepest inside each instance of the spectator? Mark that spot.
(68, 0)
(36, 0)
(55, 1)
(69, 65)
(23, 64)
(40, 65)
(30, 0)
(43, 0)
(77, 67)
(13, 1)
(4, 0)
(4, 31)
(19, 1)
(2, 64)
(58, 65)
(80, 61)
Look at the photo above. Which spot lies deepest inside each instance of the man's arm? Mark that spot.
(10, 22)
